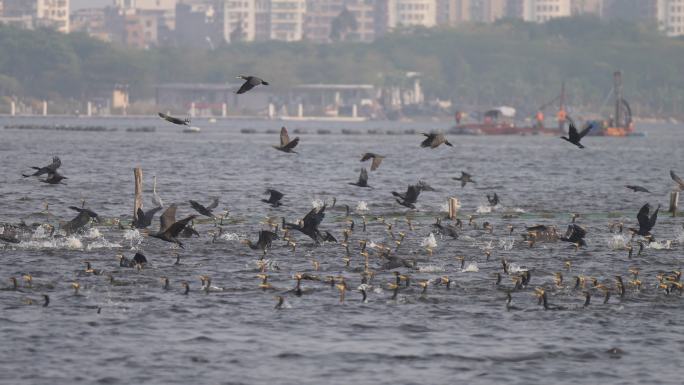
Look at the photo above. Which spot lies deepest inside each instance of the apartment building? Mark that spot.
(541, 11)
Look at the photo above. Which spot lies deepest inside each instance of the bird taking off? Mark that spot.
(574, 136)
(410, 197)
(433, 140)
(274, 198)
(646, 220)
(250, 82)
(174, 120)
(286, 145)
(50, 168)
(377, 159)
(363, 179)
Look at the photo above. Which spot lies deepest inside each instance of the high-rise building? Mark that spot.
(147, 5)
(541, 11)
(33, 13)
(53, 13)
(287, 19)
(411, 13)
(351, 20)
(239, 20)
(587, 7)
(670, 15)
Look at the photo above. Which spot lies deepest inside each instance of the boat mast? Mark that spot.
(617, 92)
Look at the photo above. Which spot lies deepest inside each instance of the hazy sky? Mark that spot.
(78, 4)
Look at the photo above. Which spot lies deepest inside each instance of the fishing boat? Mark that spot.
(620, 123)
(499, 121)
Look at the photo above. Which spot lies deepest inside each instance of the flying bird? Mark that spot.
(286, 145)
(574, 136)
(309, 225)
(264, 243)
(144, 219)
(174, 120)
(377, 159)
(54, 178)
(637, 188)
(169, 229)
(646, 220)
(50, 168)
(465, 179)
(76, 224)
(363, 179)
(250, 82)
(410, 197)
(90, 212)
(206, 211)
(274, 198)
(433, 140)
(575, 234)
(493, 200)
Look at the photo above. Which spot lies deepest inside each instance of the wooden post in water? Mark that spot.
(44, 107)
(138, 204)
(453, 208)
(224, 110)
(674, 202)
(13, 108)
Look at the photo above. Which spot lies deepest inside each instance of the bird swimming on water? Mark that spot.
(250, 82)
(434, 140)
(377, 159)
(174, 120)
(574, 136)
(286, 145)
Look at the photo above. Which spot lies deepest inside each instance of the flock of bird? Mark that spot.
(363, 258)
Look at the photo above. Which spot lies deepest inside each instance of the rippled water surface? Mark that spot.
(233, 334)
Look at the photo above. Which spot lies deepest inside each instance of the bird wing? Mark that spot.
(572, 133)
(654, 217)
(213, 204)
(139, 258)
(292, 144)
(376, 162)
(167, 218)
(56, 163)
(266, 237)
(75, 224)
(586, 130)
(367, 156)
(642, 216)
(246, 86)
(677, 179)
(412, 194)
(163, 115)
(177, 227)
(428, 141)
(284, 137)
(149, 214)
(314, 217)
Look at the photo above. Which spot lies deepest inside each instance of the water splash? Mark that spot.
(507, 244)
(71, 243)
(471, 267)
(232, 237)
(484, 209)
(41, 232)
(134, 237)
(361, 207)
(429, 241)
(664, 245)
(432, 269)
(515, 268)
(92, 233)
(617, 242)
(103, 244)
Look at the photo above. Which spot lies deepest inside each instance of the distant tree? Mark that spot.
(342, 24)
